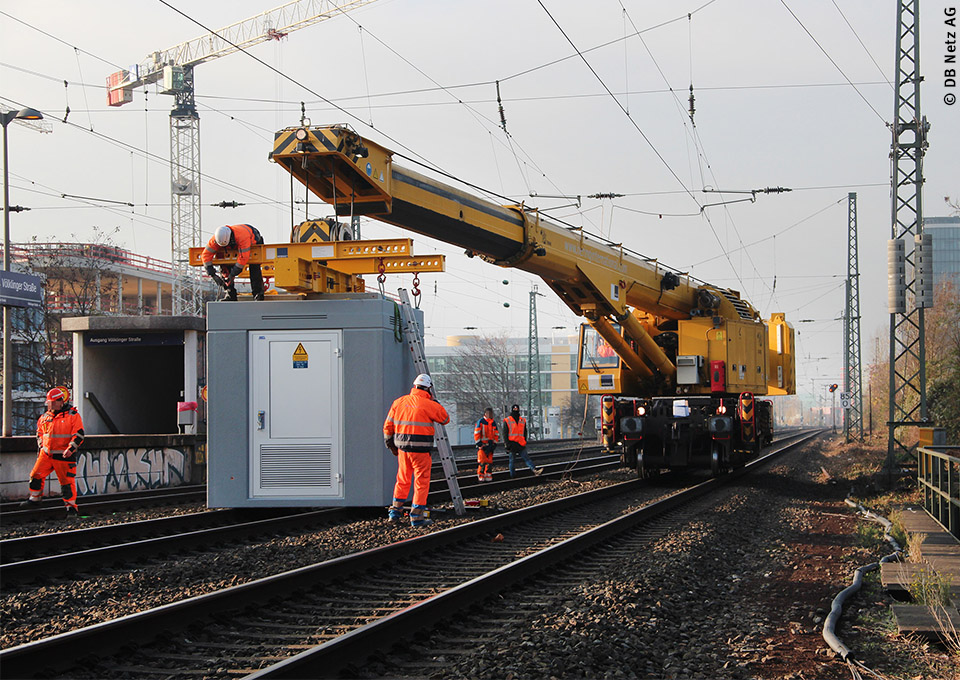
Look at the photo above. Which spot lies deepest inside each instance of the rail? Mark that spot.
(303, 588)
(938, 474)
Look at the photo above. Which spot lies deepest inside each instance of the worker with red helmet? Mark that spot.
(408, 433)
(240, 237)
(486, 435)
(59, 436)
(515, 437)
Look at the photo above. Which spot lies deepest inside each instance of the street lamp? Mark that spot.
(5, 119)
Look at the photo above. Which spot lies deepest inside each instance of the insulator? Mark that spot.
(923, 269)
(896, 276)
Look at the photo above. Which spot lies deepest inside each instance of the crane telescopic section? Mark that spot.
(652, 330)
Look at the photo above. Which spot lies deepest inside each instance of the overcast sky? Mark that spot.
(773, 108)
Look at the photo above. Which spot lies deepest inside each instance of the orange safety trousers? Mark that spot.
(415, 465)
(485, 461)
(66, 474)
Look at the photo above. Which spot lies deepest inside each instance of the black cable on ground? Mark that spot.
(836, 608)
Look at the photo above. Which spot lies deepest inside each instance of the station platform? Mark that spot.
(940, 562)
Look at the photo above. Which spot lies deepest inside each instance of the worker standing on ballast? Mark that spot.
(241, 237)
(486, 435)
(515, 437)
(408, 433)
(59, 436)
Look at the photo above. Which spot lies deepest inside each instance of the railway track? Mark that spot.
(100, 504)
(52, 507)
(44, 556)
(314, 620)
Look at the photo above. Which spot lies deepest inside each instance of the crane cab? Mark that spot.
(599, 369)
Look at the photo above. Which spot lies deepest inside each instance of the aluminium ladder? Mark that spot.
(411, 332)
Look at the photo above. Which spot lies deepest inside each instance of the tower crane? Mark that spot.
(173, 69)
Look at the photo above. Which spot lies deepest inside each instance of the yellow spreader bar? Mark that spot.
(330, 267)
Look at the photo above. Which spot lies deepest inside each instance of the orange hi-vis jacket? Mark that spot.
(55, 431)
(486, 431)
(410, 421)
(516, 432)
(242, 234)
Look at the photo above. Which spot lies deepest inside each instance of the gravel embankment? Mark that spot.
(31, 613)
(737, 593)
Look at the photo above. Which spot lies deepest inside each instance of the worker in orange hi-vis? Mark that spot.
(486, 435)
(408, 433)
(515, 439)
(59, 436)
(240, 237)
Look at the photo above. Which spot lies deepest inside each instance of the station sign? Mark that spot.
(20, 290)
(120, 338)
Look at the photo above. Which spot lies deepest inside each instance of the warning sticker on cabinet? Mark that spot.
(300, 356)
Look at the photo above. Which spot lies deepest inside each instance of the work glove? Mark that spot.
(388, 442)
(210, 270)
(235, 271)
(490, 447)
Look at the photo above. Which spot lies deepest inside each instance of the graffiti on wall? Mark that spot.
(112, 470)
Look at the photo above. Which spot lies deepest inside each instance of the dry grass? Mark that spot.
(915, 547)
(949, 636)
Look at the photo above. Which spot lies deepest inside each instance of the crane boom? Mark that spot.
(674, 318)
(270, 25)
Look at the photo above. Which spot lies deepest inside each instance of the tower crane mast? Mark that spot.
(173, 69)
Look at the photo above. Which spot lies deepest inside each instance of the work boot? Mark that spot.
(72, 512)
(395, 514)
(418, 517)
(27, 504)
(538, 471)
(258, 296)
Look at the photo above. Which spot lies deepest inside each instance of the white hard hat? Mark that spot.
(423, 380)
(222, 235)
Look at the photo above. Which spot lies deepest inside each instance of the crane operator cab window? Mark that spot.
(595, 352)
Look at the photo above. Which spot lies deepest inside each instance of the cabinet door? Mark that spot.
(296, 396)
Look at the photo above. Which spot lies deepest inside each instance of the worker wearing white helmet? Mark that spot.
(241, 237)
(408, 433)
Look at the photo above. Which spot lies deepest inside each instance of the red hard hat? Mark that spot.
(58, 393)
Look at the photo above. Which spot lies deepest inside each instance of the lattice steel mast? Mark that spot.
(908, 379)
(852, 373)
(185, 233)
(534, 394)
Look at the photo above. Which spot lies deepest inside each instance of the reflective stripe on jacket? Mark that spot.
(245, 237)
(516, 432)
(410, 421)
(486, 431)
(55, 431)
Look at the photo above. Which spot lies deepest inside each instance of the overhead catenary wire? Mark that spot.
(860, 40)
(832, 61)
(502, 187)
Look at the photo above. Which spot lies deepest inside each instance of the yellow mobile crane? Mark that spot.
(677, 361)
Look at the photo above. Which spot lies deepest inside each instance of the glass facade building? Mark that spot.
(946, 247)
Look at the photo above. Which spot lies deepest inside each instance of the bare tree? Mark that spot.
(578, 414)
(954, 205)
(485, 372)
(76, 283)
